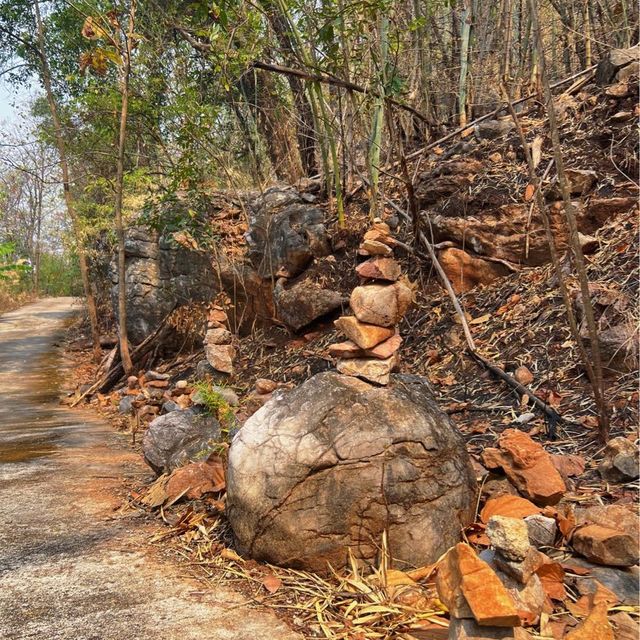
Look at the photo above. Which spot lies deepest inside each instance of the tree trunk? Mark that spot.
(66, 183)
(123, 338)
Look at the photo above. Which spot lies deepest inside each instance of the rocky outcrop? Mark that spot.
(302, 303)
(160, 274)
(179, 437)
(286, 231)
(334, 463)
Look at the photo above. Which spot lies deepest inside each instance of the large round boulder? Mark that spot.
(179, 437)
(332, 464)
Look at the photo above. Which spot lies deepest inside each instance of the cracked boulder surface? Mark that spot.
(72, 565)
(332, 464)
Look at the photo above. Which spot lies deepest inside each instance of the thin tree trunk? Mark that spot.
(597, 381)
(465, 37)
(125, 356)
(66, 183)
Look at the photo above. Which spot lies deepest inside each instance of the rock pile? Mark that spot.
(371, 351)
(218, 342)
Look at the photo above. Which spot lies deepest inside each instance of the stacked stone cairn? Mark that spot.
(218, 341)
(379, 304)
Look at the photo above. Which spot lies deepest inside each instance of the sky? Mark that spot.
(13, 101)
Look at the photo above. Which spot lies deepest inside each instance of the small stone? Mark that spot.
(125, 406)
(467, 585)
(374, 248)
(588, 243)
(510, 536)
(523, 375)
(621, 461)
(154, 375)
(542, 530)
(379, 269)
(523, 570)
(218, 335)
(220, 357)
(346, 349)
(595, 627)
(569, 465)
(381, 304)
(132, 382)
(364, 335)
(371, 369)
(264, 385)
(469, 629)
(182, 384)
(530, 468)
(385, 349)
(625, 627)
(170, 406)
(380, 233)
(529, 597)
(605, 545)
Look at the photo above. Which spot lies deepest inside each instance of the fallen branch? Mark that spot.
(552, 414)
(114, 374)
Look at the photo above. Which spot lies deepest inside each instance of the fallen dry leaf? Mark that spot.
(552, 578)
(528, 192)
(271, 583)
(510, 506)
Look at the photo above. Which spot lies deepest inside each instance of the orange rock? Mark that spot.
(350, 349)
(605, 545)
(530, 468)
(374, 248)
(568, 466)
(466, 584)
(523, 375)
(381, 304)
(379, 269)
(492, 458)
(264, 385)
(364, 335)
(595, 627)
(465, 271)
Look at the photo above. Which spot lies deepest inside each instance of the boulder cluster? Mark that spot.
(378, 305)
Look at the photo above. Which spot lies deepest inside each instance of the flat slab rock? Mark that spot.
(330, 465)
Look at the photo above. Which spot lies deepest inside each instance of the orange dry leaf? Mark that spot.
(510, 506)
(552, 578)
(528, 192)
(271, 583)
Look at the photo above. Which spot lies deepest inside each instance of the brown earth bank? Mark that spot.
(73, 565)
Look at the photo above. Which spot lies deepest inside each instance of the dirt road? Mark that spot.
(70, 566)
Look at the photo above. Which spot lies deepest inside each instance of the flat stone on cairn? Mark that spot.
(379, 304)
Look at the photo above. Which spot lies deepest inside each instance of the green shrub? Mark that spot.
(216, 406)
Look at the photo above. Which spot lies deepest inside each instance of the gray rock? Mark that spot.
(332, 464)
(179, 437)
(160, 275)
(468, 629)
(623, 582)
(285, 232)
(154, 375)
(170, 406)
(620, 462)
(542, 530)
(304, 302)
(125, 406)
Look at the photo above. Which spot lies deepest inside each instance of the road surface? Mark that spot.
(71, 567)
